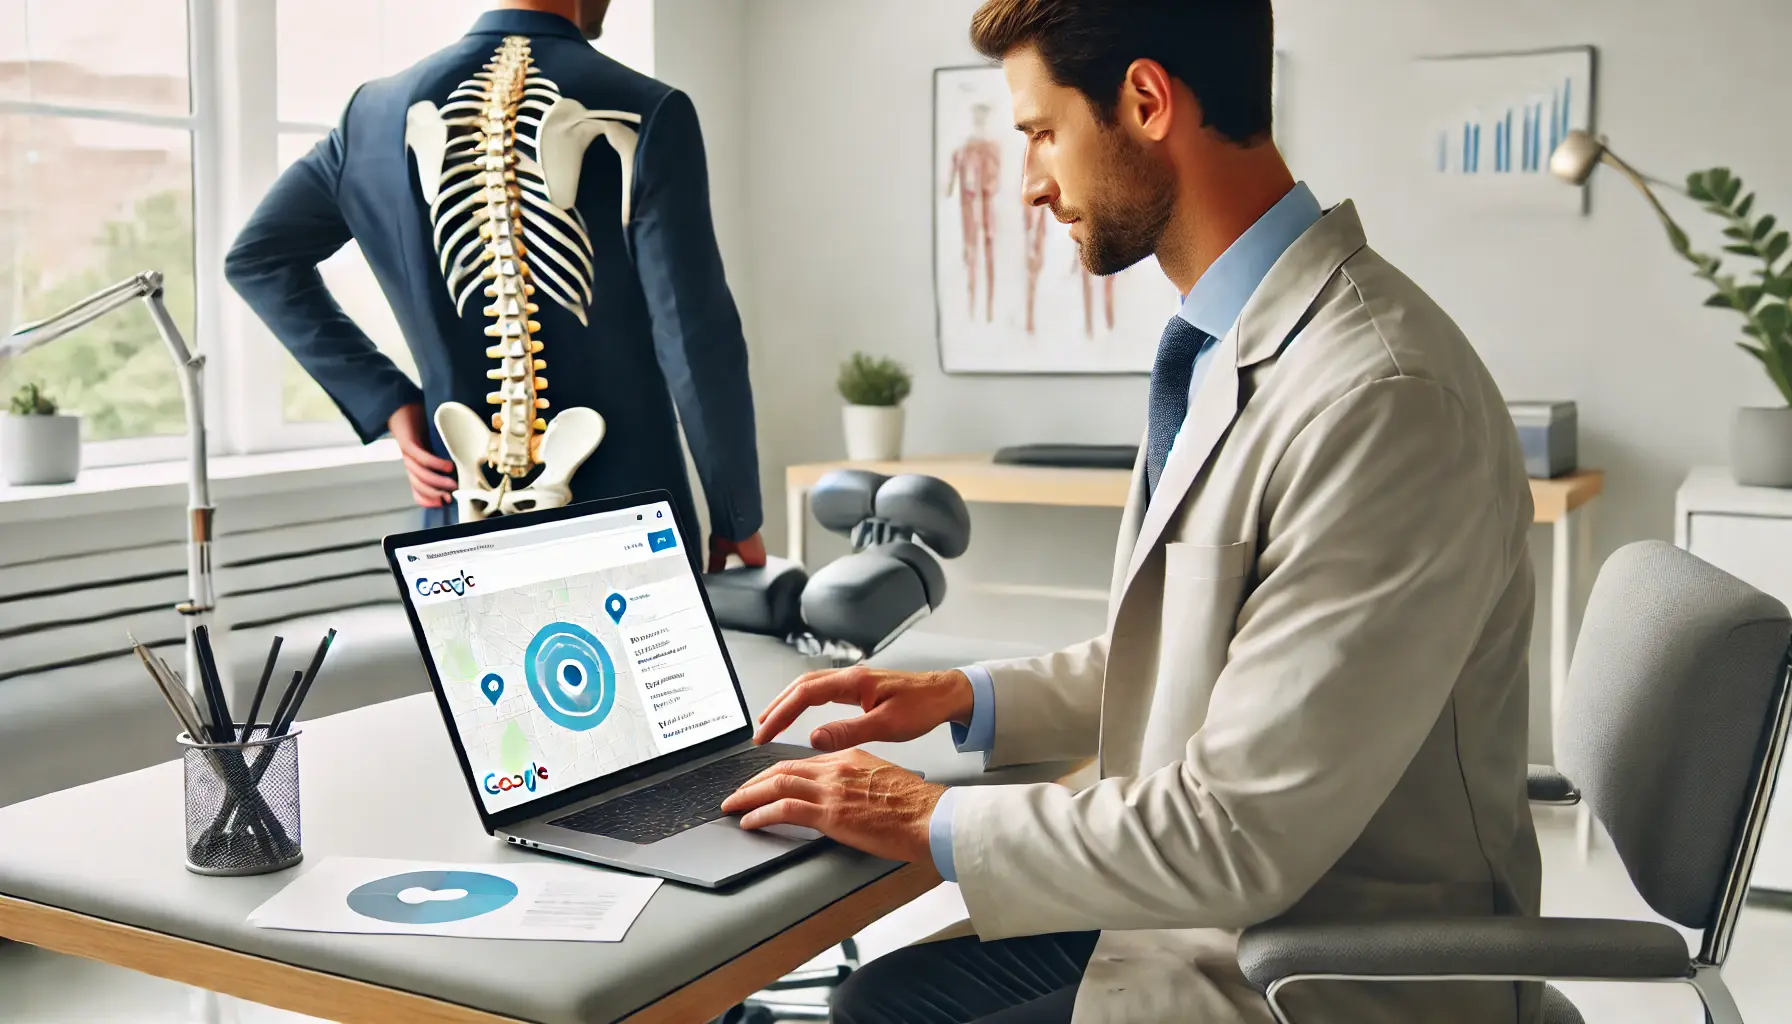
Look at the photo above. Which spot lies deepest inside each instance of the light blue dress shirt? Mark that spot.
(1213, 305)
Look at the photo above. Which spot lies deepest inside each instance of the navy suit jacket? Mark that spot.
(663, 324)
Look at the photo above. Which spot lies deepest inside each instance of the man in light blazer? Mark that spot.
(1310, 702)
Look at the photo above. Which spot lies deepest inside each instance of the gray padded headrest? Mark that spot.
(866, 600)
(1677, 673)
(845, 498)
(758, 600)
(931, 508)
(933, 575)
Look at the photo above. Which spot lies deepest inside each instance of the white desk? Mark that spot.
(1561, 503)
(97, 871)
(1746, 532)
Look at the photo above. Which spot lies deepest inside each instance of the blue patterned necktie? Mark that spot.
(1170, 376)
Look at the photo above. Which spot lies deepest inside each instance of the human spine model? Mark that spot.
(499, 166)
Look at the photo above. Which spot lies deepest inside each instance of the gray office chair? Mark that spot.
(1673, 726)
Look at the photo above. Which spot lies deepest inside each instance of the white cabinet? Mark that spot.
(1747, 532)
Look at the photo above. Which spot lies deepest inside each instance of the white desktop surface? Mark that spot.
(382, 781)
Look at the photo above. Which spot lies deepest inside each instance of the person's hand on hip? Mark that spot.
(432, 479)
(750, 550)
(898, 706)
(852, 797)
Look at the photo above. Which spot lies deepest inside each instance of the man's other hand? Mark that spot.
(432, 477)
(898, 706)
(863, 801)
(751, 551)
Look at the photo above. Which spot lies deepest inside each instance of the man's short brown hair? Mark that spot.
(1223, 50)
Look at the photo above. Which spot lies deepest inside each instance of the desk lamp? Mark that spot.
(1580, 154)
(197, 609)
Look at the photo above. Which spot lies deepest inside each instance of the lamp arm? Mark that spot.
(26, 337)
(201, 599)
(190, 366)
(1641, 181)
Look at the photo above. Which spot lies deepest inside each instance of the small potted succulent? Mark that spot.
(874, 389)
(38, 445)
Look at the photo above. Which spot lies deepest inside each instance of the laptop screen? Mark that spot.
(569, 650)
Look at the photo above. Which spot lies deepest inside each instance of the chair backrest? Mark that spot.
(1671, 721)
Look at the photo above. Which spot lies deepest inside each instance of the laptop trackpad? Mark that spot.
(791, 832)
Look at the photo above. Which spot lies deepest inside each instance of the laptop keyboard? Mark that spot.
(676, 805)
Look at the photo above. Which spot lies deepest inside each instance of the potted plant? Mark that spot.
(38, 445)
(1761, 440)
(874, 390)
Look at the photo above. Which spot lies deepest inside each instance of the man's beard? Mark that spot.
(1129, 208)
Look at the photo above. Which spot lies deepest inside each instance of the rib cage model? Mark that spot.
(499, 166)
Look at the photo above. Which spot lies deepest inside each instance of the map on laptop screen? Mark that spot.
(570, 650)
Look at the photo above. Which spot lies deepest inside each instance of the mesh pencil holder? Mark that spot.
(242, 804)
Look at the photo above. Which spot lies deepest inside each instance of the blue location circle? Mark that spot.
(570, 676)
(379, 900)
(493, 686)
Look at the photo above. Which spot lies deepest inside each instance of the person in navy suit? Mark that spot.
(630, 304)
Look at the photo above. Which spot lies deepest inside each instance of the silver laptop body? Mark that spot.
(573, 637)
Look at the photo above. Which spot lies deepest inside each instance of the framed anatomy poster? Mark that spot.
(1010, 293)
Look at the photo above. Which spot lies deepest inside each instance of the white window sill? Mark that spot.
(159, 484)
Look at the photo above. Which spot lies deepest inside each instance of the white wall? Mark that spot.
(699, 48)
(834, 165)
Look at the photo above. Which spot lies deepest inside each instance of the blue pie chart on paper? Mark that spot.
(570, 675)
(437, 897)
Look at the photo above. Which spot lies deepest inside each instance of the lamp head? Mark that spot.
(1577, 156)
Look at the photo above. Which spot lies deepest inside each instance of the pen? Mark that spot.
(304, 685)
(223, 729)
(261, 688)
(292, 688)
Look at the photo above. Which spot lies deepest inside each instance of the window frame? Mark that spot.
(234, 129)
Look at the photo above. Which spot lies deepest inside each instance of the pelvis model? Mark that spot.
(499, 166)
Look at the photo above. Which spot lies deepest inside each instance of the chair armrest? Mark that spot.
(1480, 947)
(1545, 785)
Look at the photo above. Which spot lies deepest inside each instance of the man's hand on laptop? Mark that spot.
(852, 797)
(898, 706)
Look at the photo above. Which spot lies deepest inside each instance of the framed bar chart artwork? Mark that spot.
(1495, 118)
(1010, 295)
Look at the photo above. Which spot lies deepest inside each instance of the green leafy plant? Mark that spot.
(30, 400)
(867, 380)
(1763, 297)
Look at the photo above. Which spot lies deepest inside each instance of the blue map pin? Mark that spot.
(493, 685)
(614, 604)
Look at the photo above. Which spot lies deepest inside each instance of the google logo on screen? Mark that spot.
(526, 779)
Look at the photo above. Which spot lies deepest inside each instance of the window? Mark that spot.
(320, 67)
(96, 184)
(123, 148)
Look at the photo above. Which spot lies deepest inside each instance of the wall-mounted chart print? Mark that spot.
(1495, 118)
(1010, 293)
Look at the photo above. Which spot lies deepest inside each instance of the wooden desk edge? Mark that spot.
(349, 1001)
(245, 975)
(1553, 499)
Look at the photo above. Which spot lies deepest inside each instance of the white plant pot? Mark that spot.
(1761, 447)
(873, 432)
(40, 449)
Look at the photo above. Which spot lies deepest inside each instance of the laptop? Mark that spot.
(586, 688)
